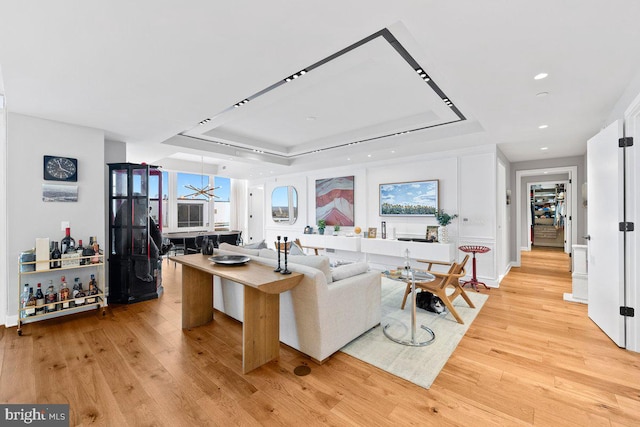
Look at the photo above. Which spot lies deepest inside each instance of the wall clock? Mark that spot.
(58, 168)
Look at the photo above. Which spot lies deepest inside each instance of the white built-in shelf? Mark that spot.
(387, 247)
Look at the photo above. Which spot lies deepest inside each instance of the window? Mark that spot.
(165, 199)
(193, 208)
(190, 214)
(222, 214)
(185, 210)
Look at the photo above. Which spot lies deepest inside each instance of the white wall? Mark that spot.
(4, 271)
(28, 217)
(467, 186)
(478, 216)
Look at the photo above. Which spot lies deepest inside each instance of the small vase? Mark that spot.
(443, 234)
(320, 230)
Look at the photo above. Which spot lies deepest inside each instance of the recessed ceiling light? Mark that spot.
(368, 155)
(540, 76)
(543, 126)
(393, 151)
(349, 158)
(544, 148)
(541, 94)
(311, 118)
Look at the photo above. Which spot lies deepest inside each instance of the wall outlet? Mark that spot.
(64, 225)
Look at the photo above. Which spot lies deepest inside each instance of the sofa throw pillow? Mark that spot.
(295, 249)
(320, 262)
(349, 270)
(259, 245)
(238, 249)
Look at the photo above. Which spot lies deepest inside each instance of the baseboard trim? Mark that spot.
(11, 321)
(571, 298)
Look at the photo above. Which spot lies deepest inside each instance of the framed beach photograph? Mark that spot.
(417, 198)
(432, 233)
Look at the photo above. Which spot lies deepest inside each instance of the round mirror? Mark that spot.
(284, 205)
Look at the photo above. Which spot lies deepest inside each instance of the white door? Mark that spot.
(568, 214)
(632, 129)
(256, 217)
(502, 248)
(605, 174)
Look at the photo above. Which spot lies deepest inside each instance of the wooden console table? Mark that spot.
(262, 286)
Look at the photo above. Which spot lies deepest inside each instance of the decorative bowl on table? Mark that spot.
(230, 259)
(396, 274)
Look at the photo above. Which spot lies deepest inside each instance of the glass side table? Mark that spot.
(408, 275)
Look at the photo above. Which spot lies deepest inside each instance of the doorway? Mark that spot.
(255, 207)
(547, 215)
(523, 204)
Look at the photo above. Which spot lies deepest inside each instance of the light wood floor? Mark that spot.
(528, 359)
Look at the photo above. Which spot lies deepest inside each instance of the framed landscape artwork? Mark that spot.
(417, 198)
(59, 193)
(334, 200)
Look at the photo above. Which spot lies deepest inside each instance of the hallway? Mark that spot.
(541, 360)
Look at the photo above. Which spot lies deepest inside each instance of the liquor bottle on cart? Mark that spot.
(39, 300)
(68, 243)
(55, 256)
(24, 299)
(50, 298)
(93, 290)
(88, 253)
(96, 251)
(31, 304)
(65, 295)
(78, 293)
(79, 251)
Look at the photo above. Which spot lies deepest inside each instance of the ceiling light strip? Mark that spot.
(318, 150)
(390, 38)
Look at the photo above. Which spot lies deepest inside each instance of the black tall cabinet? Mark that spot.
(135, 232)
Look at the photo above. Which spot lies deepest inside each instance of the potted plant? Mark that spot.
(444, 219)
(321, 226)
(336, 229)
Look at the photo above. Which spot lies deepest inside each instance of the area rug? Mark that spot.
(420, 365)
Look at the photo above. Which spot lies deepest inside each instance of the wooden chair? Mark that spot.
(443, 281)
(287, 247)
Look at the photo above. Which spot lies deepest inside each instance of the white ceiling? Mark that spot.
(149, 72)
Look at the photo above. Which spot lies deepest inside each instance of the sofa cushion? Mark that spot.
(320, 262)
(259, 245)
(238, 249)
(268, 253)
(295, 249)
(349, 270)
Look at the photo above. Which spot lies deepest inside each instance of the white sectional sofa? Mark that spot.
(320, 315)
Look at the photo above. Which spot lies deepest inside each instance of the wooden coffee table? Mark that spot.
(262, 288)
